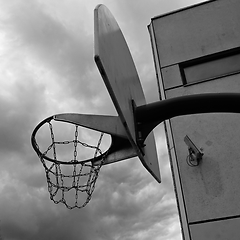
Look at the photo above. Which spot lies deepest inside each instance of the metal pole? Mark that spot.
(150, 115)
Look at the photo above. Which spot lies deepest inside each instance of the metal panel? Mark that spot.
(207, 70)
(219, 230)
(171, 76)
(211, 190)
(198, 31)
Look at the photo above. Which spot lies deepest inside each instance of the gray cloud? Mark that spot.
(69, 54)
(19, 113)
(47, 66)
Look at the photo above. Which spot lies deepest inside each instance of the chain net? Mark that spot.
(73, 176)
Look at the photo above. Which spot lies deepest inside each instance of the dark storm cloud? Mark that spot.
(27, 213)
(129, 201)
(50, 67)
(29, 216)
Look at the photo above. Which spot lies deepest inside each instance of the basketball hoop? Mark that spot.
(81, 176)
(120, 76)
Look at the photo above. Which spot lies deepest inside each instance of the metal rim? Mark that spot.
(41, 155)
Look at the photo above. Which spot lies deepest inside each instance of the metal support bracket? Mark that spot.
(195, 153)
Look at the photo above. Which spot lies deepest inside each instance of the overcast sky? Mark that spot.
(47, 67)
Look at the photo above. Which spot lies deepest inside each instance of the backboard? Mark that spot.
(120, 76)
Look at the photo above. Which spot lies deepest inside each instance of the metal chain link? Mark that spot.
(56, 180)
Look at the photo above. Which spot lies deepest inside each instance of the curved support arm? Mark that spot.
(103, 123)
(150, 115)
(120, 148)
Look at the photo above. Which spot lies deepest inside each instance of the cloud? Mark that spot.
(66, 53)
(17, 116)
(47, 67)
